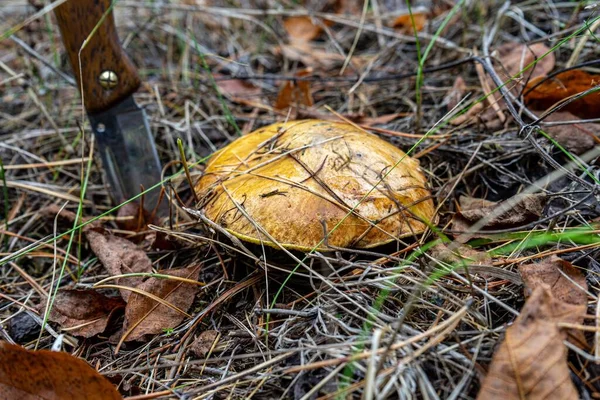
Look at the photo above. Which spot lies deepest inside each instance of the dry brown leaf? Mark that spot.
(576, 138)
(301, 28)
(528, 208)
(310, 56)
(562, 86)
(83, 312)
(119, 256)
(145, 316)
(295, 93)
(513, 57)
(204, 343)
(238, 88)
(565, 281)
(404, 23)
(531, 362)
(49, 375)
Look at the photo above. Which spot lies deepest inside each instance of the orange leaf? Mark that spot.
(562, 86)
(295, 93)
(404, 24)
(301, 28)
(50, 375)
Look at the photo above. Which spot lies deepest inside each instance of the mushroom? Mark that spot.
(315, 184)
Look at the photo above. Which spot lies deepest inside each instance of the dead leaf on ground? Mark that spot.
(311, 56)
(49, 375)
(295, 93)
(301, 28)
(576, 138)
(131, 217)
(513, 57)
(119, 256)
(204, 343)
(404, 23)
(83, 312)
(145, 316)
(531, 362)
(565, 281)
(527, 208)
(237, 87)
(560, 87)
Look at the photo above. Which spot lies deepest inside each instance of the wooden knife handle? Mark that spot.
(103, 60)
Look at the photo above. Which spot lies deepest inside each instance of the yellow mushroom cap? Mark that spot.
(288, 184)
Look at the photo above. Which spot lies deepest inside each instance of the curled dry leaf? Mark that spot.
(50, 375)
(531, 362)
(404, 23)
(576, 138)
(83, 312)
(295, 93)
(526, 208)
(119, 256)
(301, 28)
(543, 95)
(146, 316)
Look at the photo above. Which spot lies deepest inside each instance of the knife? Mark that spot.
(107, 81)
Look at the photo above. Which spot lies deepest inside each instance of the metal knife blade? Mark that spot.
(107, 80)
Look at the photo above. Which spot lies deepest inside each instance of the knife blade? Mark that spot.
(107, 81)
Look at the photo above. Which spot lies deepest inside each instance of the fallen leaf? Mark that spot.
(295, 93)
(301, 28)
(531, 362)
(237, 87)
(565, 281)
(145, 316)
(514, 57)
(404, 23)
(562, 86)
(527, 208)
(204, 343)
(49, 375)
(310, 56)
(576, 138)
(83, 312)
(119, 256)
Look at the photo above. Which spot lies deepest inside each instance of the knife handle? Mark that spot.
(107, 73)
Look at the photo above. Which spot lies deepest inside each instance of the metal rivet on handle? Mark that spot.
(108, 79)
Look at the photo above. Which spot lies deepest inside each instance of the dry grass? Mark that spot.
(357, 323)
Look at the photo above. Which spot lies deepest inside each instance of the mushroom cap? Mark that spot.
(288, 184)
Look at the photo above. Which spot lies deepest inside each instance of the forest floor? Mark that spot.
(496, 101)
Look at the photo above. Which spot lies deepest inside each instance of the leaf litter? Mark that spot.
(342, 308)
